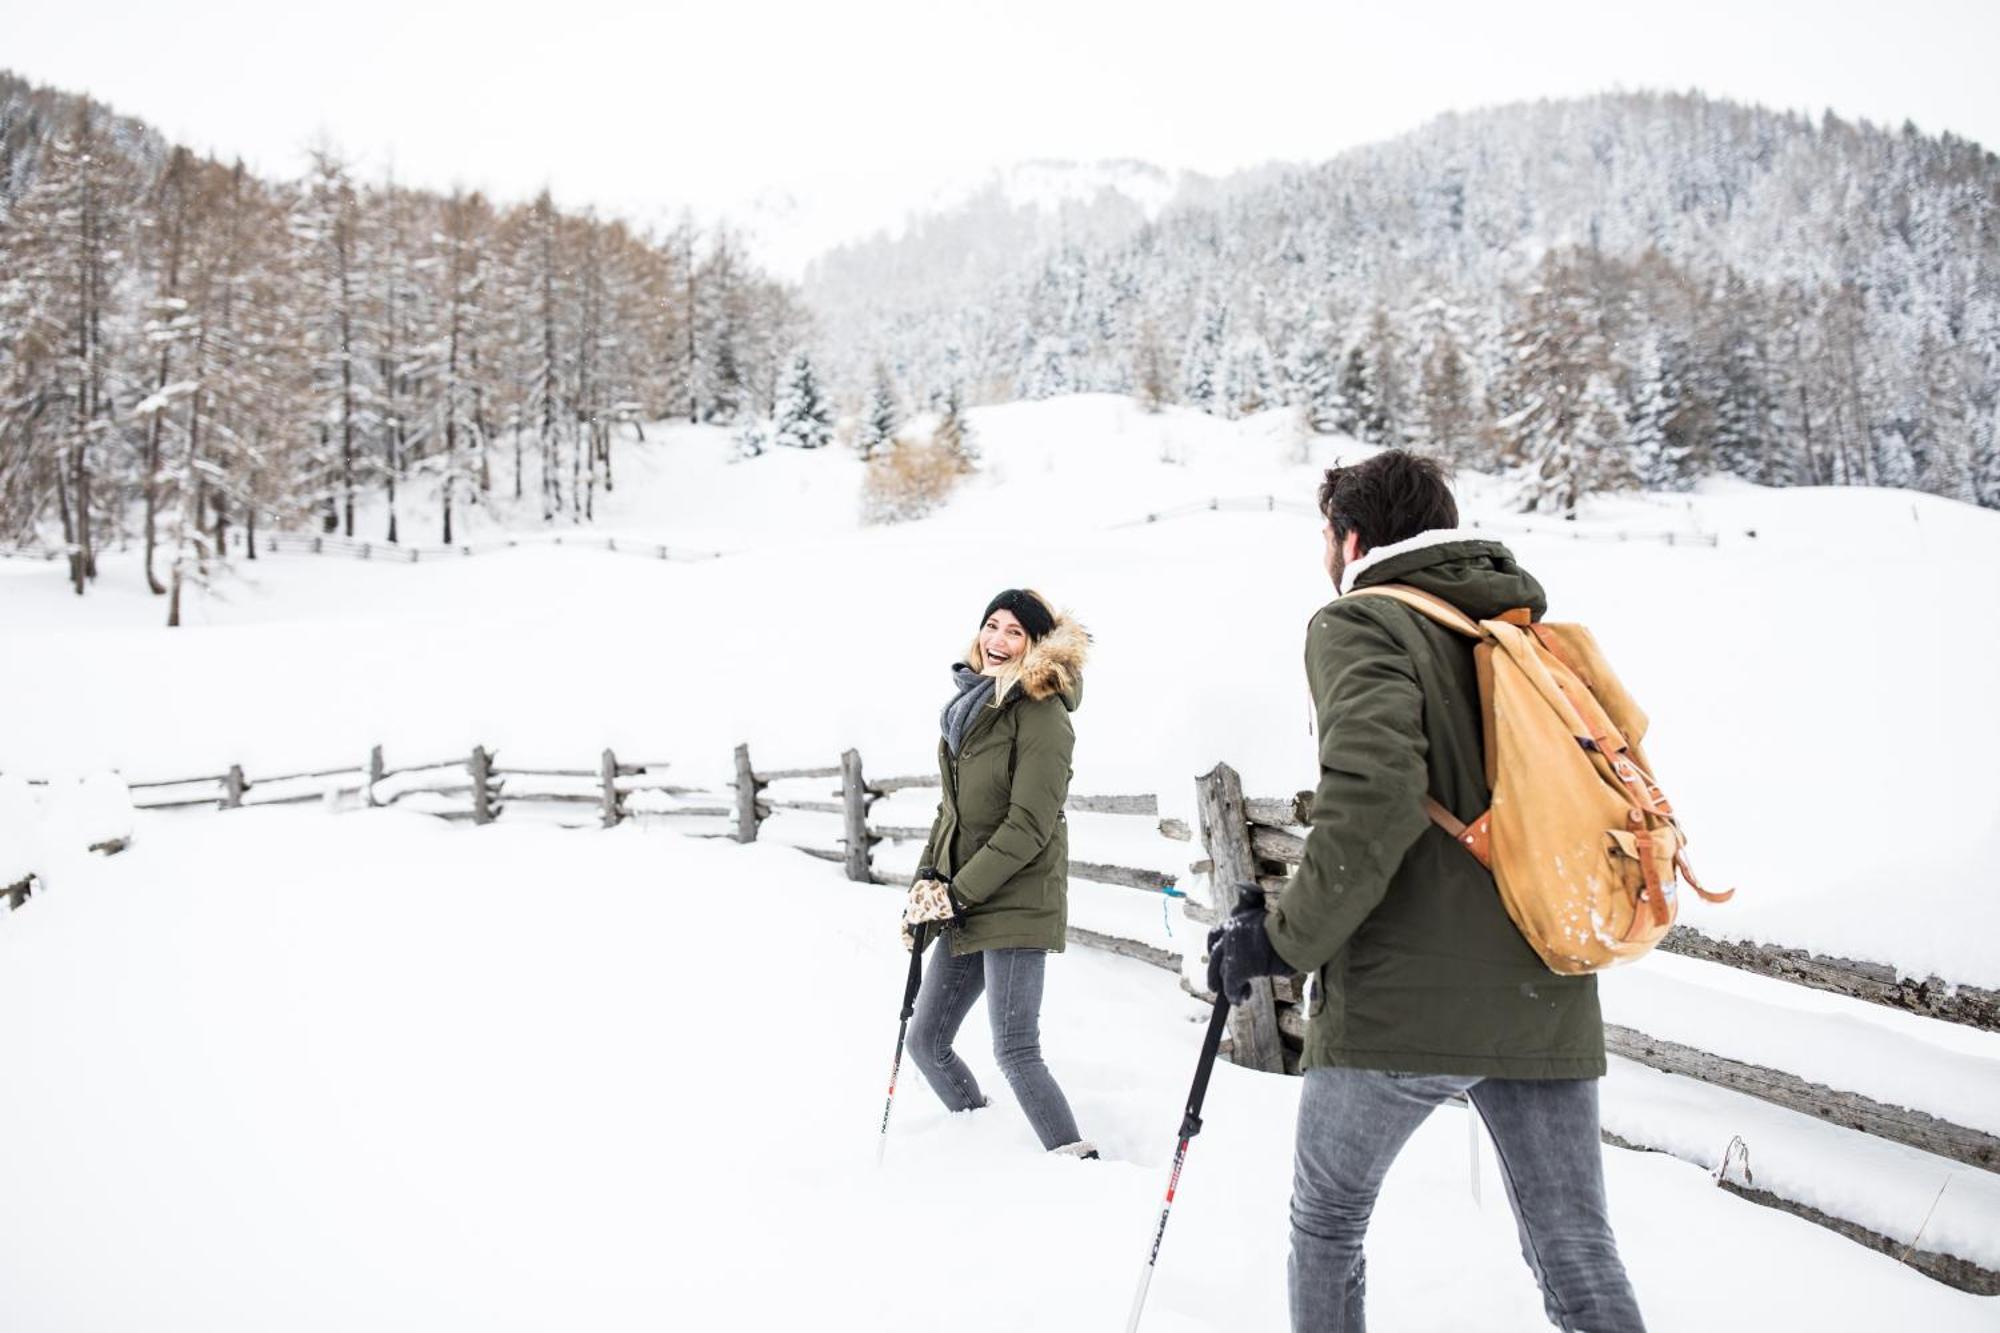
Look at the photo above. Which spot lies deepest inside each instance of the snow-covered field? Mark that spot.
(290, 1070)
(293, 1069)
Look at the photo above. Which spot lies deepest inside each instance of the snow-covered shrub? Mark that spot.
(909, 481)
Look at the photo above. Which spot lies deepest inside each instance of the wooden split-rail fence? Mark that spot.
(288, 543)
(411, 553)
(1243, 839)
(1575, 532)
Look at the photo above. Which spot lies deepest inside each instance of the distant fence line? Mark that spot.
(304, 544)
(1264, 504)
(294, 543)
(1244, 839)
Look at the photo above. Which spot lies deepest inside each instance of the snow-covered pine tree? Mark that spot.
(1443, 416)
(241, 408)
(592, 399)
(878, 423)
(1389, 376)
(1603, 441)
(1201, 363)
(1045, 371)
(335, 256)
(721, 325)
(1359, 412)
(255, 371)
(954, 432)
(1657, 451)
(1744, 387)
(1150, 382)
(549, 403)
(65, 246)
(1986, 457)
(1314, 384)
(1248, 383)
(170, 217)
(751, 437)
(1946, 465)
(1556, 388)
(803, 420)
(459, 272)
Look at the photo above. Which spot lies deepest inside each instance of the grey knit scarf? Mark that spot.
(973, 692)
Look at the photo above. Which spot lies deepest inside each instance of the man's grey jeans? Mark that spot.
(1012, 981)
(1353, 1122)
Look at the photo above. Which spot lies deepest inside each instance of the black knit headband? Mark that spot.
(1027, 609)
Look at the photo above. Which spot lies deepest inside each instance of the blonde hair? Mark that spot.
(1009, 676)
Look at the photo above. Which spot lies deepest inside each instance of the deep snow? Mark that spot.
(528, 1078)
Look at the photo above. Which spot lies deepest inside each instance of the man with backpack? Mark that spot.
(1420, 985)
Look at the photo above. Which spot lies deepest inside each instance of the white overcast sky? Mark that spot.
(645, 107)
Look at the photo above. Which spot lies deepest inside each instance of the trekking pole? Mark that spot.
(903, 1030)
(1190, 1126)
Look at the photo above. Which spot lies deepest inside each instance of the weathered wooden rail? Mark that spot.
(857, 794)
(479, 778)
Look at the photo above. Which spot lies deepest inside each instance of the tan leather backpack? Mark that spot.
(1583, 845)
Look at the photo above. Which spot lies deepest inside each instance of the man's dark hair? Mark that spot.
(1389, 498)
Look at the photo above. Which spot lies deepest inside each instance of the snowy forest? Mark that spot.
(1623, 290)
(185, 346)
(1585, 296)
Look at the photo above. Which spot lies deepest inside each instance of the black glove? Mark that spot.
(1239, 950)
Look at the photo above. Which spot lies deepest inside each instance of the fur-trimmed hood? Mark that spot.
(1052, 666)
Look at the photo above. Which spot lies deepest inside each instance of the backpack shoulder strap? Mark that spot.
(1476, 837)
(1427, 605)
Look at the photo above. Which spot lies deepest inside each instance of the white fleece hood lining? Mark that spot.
(1422, 541)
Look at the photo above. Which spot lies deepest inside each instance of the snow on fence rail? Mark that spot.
(1265, 504)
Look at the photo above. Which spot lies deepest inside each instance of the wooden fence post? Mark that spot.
(1225, 831)
(854, 796)
(607, 773)
(747, 788)
(375, 772)
(233, 787)
(486, 786)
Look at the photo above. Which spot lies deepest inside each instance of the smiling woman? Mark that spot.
(994, 878)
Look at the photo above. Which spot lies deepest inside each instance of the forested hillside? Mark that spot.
(1632, 290)
(185, 345)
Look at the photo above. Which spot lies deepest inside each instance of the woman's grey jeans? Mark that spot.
(1012, 982)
